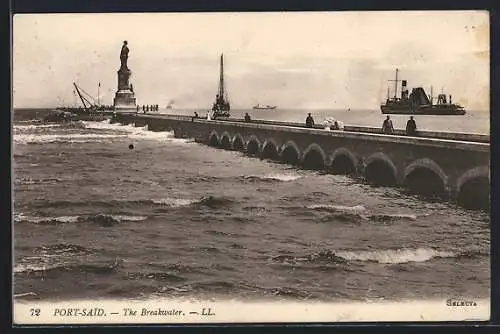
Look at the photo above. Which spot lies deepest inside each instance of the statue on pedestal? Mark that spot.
(124, 97)
(124, 55)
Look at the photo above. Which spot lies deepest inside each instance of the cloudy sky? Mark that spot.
(294, 60)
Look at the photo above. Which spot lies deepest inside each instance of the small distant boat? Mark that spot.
(266, 107)
(170, 105)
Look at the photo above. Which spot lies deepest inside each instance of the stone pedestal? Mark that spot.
(124, 96)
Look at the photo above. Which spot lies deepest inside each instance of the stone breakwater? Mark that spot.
(435, 165)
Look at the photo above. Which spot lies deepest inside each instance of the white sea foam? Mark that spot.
(27, 127)
(175, 202)
(133, 132)
(36, 220)
(72, 219)
(59, 138)
(28, 181)
(39, 263)
(344, 208)
(117, 131)
(395, 256)
(276, 177)
(281, 177)
(24, 267)
(393, 215)
(17, 295)
(129, 218)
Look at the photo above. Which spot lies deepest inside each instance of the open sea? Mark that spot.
(172, 218)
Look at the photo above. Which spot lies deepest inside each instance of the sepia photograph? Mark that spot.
(251, 167)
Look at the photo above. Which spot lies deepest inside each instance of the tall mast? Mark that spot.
(221, 79)
(396, 84)
(83, 98)
(74, 98)
(98, 94)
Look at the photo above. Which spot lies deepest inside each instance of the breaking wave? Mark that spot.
(28, 127)
(63, 257)
(387, 256)
(61, 138)
(343, 208)
(100, 219)
(273, 177)
(131, 131)
(109, 131)
(358, 213)
(390, 217)
(174, 202)
(57, 267)
(30, 181)
(397, 255)
(210, 201)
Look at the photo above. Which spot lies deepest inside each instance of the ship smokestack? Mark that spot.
(404, 90)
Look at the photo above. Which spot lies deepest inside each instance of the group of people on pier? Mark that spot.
(333, 124)
(329, 123)
(146, 108)
(388, 128)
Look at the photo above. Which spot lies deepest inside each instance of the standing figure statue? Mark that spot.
(124, 55)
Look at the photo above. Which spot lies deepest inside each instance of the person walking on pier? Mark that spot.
(309, 121)
(411, 127)
(247, 117)
(195, 116)
(387, 127)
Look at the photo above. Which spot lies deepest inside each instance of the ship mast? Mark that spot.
(221, 78)
(84, 97)
(74, 98)
(396, 85)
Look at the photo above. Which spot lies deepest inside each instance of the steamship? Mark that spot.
(418, 103)
(266, 107)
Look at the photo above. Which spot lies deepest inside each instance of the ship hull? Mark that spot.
(423, 111)
(271, 108)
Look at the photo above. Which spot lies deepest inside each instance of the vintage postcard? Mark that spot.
(251, 167)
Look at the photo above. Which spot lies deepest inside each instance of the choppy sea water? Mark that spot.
(173, 218)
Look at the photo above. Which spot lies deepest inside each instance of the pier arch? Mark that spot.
(270, 149)
(380, 170)
(343, 161)
(225, 141)
(253, 145)
(290, 152)
(425, 177)
(238, 142)
(314, 157)
(213, 138)
(473, 188)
